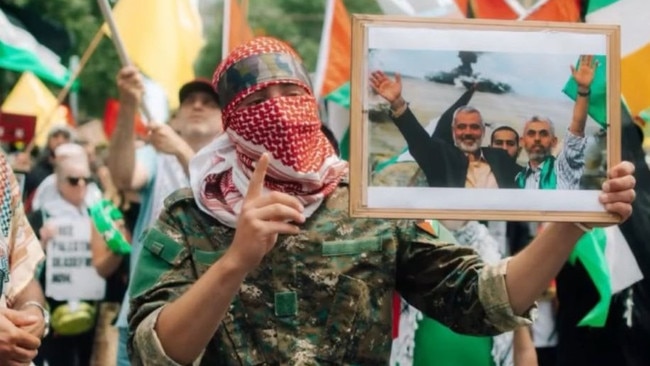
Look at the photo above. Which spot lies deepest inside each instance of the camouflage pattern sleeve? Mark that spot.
(163, 273)
(451, 284)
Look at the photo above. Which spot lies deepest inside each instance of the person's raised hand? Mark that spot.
(584, 73)
(391, 90)
(165, 139)
(130, 85)
(262, 218)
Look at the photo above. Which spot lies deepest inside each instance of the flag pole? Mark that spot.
(90, 50)
(82, 63)
(121, 50)
(225, 31)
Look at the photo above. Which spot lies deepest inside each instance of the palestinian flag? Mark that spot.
(632, 16)
(20, 51)
(332, 81)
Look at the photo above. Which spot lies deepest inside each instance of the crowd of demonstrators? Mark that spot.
(79, 178)
(209, 242)
(61, 182)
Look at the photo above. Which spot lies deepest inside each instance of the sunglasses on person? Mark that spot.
(74, 181)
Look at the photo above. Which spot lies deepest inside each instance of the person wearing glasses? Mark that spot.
(63, 209)
(49, 186)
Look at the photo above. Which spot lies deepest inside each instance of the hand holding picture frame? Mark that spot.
(486, 120)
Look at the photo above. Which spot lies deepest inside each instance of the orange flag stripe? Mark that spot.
(635, 80)
(337, 72)
(240, 31)
(492, 9)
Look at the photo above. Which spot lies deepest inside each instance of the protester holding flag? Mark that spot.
(159, 168)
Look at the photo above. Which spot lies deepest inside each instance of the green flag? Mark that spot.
(598, 98)
(20, 51)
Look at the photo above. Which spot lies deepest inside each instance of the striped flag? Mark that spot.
(428, 8)
(32, 98)
(632, 15)
(20, 51)
(163, 38)
(556, 10)
(332, 80)
(496, 9)
(236, 29)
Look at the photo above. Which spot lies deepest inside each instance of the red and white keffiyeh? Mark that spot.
(302, 161)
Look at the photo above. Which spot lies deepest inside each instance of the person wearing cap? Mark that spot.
(160, 167)
(259, 262)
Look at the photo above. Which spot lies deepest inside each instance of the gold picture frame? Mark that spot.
(410, 46)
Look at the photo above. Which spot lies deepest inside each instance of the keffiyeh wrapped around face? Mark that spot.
(302, 161)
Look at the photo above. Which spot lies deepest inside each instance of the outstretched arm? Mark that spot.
(427, 152)
(571, 160)
(452, 285)
(583, 76)
(126, 172)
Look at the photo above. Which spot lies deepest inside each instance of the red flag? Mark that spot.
(111, 111)
(17, 128)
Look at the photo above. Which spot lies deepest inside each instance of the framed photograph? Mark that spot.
(482, 120)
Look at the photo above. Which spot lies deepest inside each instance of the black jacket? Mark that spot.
(444, 164)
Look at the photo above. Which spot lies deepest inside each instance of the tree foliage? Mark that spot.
(82, 18)
(298, 22)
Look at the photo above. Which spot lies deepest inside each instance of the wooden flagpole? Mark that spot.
(121, 50)
(90, 50)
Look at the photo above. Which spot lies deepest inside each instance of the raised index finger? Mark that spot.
(257, 180)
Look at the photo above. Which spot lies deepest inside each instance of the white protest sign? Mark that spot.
(70, 274)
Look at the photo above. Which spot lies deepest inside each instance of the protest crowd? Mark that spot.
(221, 235)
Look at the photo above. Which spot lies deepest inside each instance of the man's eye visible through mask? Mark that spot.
(252, 101)
(256, 101)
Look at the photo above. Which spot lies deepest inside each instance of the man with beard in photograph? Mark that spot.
(452, 156)
(544, 171)
(506, 138)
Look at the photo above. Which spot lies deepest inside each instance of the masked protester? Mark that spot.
(260, 263)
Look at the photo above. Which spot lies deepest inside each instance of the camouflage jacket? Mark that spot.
(322, 297)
